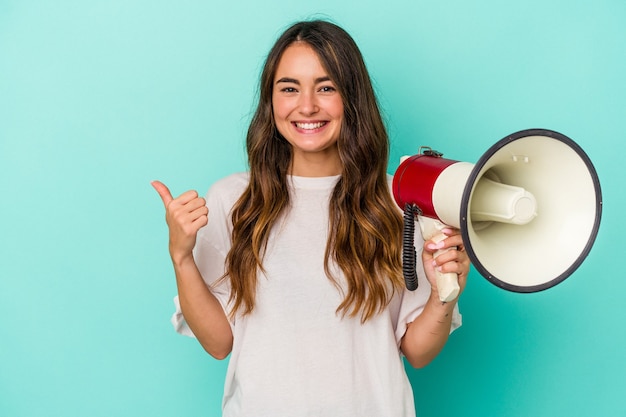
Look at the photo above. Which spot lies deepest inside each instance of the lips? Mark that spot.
(309, 125)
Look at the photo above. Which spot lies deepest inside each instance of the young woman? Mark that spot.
(294, 268)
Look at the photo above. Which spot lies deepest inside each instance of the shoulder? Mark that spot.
(226, 191)
(238, 180)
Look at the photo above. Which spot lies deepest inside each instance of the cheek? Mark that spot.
(337, 109)
(280, 110)
(279, 114)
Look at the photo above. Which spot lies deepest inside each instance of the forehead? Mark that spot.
(299, 60)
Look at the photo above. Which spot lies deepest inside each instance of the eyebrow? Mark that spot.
(294, 81)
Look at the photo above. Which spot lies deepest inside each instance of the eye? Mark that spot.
(327, 89)
(288, 90)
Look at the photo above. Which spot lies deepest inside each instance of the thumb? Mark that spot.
(163, 191)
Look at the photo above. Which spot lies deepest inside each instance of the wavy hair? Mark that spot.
(366, 224)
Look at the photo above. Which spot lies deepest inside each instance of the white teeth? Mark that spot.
(309, 126)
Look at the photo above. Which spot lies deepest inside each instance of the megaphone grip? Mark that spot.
(409, 254)
(447, 286)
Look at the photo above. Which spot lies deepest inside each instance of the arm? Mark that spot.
(426, 336)
(185, 215)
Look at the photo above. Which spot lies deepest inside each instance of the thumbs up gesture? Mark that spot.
(185, 215)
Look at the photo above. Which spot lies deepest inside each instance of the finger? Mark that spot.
(454, 238)
(185, 215)
(202, 219)
(450, 231)
(191, 201)
(163, 191)
(448, 243)
(189, 197)
(198, 214)
(444, 256)
(455, 267)
(451, 254)
(454, 241)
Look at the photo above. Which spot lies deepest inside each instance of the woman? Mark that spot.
(294, 269)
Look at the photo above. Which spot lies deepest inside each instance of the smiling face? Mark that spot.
(308, 111)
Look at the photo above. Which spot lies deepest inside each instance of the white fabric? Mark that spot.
(294, 356)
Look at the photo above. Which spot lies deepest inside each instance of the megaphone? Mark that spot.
(529, 210)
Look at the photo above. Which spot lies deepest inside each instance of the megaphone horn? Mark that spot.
(529, 210)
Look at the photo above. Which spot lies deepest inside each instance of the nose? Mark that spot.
(307, 103)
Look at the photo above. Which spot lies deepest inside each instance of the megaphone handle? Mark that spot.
(448, 282)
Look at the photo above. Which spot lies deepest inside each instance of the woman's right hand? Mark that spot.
(185, 215)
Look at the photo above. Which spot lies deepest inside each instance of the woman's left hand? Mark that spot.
(453, 259)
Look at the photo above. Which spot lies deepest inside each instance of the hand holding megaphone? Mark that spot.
(447, 282)
(185, 215)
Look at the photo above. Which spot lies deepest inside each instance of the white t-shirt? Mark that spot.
(294, 356)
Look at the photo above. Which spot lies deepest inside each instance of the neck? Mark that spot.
(315, 165)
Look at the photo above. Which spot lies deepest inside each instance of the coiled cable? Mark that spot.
(409, 254)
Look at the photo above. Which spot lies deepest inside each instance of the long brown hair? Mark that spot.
(366, 225)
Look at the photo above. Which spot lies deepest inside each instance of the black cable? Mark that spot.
(409, 254)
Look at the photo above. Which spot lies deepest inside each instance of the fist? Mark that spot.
(185, 215)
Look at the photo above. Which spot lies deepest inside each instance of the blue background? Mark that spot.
(98, 98)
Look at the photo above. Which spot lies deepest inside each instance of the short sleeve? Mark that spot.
(412, 305)
(210, 263)
(178, 321)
